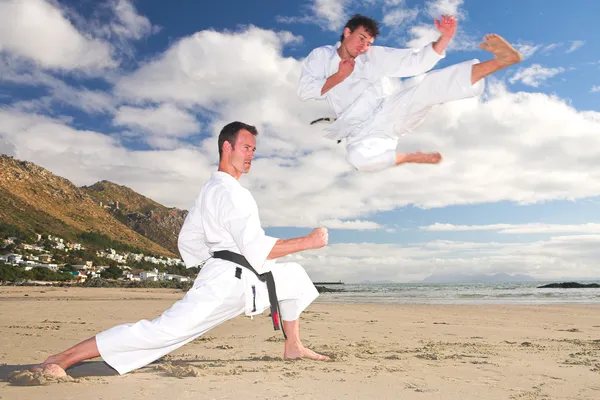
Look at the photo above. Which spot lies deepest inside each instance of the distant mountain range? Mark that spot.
(477, 278)
(37, 201)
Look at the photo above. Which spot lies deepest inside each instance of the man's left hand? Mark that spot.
(446, 26)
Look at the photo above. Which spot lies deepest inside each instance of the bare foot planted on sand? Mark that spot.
(54, 370)
(499, 47)
(303, 352)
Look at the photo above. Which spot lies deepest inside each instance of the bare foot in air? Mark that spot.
(499, 47)
(299, 351)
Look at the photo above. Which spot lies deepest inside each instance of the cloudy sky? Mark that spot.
(135, 92)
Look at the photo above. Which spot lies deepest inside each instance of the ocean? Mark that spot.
(525, 293)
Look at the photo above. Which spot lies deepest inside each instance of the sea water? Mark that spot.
(467, 293)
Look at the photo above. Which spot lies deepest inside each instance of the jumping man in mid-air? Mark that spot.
(351, 74)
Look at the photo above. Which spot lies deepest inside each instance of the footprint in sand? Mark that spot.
(178, 371)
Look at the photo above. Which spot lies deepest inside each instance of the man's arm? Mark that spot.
(312, 76)
(345, 69)
(402, 63)
(238, 214)
(190, 241)
(314, 240)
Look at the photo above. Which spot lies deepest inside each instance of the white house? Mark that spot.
(148, 276)
(14, 258)
(179, 278)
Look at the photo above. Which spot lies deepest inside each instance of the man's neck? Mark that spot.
(228, 169)
(343, 53)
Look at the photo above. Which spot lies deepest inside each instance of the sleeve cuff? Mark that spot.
(318, 87)
(432, 53)
(259, 252)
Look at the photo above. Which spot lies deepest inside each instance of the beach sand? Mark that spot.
(378, 351)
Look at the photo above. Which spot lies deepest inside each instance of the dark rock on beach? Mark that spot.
(569, 285)
(324, 289)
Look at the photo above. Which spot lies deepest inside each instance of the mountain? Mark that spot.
(141, 214)
(478, 278)
(35, 200)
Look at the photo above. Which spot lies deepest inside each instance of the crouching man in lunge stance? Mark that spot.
(239, 276)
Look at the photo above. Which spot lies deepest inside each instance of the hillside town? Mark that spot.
(55, 254)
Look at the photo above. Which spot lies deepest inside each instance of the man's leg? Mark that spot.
(57, 364)
(376, 154)
(372, 154)
(296, 292)
(294, 347)
(506, 55)
(131, 346)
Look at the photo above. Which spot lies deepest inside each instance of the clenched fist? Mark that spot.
(318, 238)
(346, 67)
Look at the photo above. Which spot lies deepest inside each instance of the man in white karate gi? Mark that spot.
(223, 218)
(351, 76)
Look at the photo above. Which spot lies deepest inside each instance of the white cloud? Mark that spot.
(575, 44)
(548, 48)
(398, 16)
(595, 89)
(424, 33)
(569, 257)
(351, 225)
(6, 147)
(85, 157)
(517, 229)
(535, 75)
(330, 14)
(332, 11)
(129, 23)
(39, 31)
(527, 49)
(165, 120)
(91, 101)
(436, 8)
(420, 35)
(518, 147)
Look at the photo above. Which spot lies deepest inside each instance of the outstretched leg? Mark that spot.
(57, 364)
(127, 347)
(506, 55)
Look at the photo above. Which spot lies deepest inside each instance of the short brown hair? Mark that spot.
(230, 132)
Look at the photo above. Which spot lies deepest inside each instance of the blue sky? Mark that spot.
(135, 92)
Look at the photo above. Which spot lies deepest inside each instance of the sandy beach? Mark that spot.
(378, 351)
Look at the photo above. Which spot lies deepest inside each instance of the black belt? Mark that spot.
(266, 277)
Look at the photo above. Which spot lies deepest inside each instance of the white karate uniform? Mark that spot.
(368, 116)
(224, 217)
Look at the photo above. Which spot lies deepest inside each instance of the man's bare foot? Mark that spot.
(50, 367)
(295, 352)
(499, 47)
(50, 370)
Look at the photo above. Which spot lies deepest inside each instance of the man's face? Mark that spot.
(357, 42)
(243, 151)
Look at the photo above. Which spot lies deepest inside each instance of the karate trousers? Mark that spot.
(206, 305)
(373, 148)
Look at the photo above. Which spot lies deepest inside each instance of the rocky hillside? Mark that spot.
(143, 215)
(36, 200)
